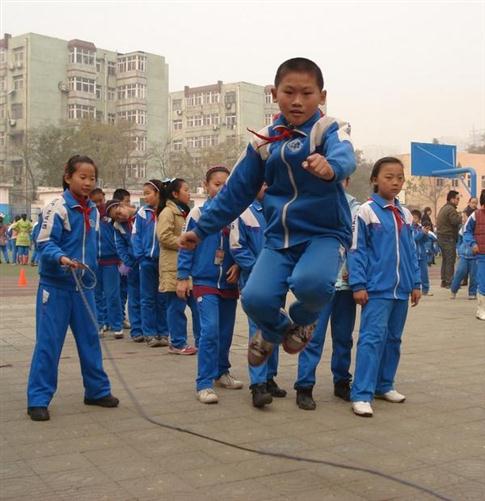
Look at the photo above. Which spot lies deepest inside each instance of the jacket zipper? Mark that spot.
(398, 255)
(153, 238)
(220, 266)
(286, 243)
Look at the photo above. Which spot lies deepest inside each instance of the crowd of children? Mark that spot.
(281, 221)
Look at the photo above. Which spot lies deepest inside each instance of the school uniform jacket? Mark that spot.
(124, 247)
(474, 231)
(107, 254)
(382, 259)
(67, 231)
(298, 205)
(144, 234)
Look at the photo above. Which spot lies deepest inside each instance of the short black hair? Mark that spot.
(482, 197)
(96, 191)
(120, 193)
(378, 166)
(216, 168)
(416, 213)
(299, 65)
(451, 195)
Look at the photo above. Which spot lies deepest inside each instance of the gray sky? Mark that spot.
(397, 71)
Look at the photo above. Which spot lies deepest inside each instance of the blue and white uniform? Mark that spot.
(341, 313)
(382, 261)
(421, 238)
(146, 251)
(308, 219)
(67, 230)
(124, 249)
(33, 238)
(216, 298)
(472, 232)
(246, 242)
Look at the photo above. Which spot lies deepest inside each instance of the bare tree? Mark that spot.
(427, 190)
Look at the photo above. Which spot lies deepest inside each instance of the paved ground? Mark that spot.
(436, 439)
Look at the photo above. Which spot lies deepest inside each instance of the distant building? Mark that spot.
(47, 80)
(201, 117)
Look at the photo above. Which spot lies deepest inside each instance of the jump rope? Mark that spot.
(81, 286)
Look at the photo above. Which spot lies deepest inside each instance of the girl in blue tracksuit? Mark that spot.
(341, 313)
(420, 235)
(303, 157)
(146, 251)
(383, 273)
(123, 217)
(214, 277)
(246, 242)
(67, 239)
(467, 266)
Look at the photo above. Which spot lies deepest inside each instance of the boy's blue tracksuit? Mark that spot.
(125, 252)
(308, 219)
(383, 262)
(431, 246)
(341, 313)
(246, 242)
(108, 298)
(146, 251)
(216, 299)
(65, 231)
(467, 266)
(470, 239)
(421, 238)
(33, 238)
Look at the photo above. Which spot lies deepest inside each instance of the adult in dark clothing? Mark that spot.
(471, 207)
(426, 218)
(448, 223)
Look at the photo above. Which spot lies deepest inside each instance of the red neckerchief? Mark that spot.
(285, 133)
(397, 216)
(130, 222)
(84, 209)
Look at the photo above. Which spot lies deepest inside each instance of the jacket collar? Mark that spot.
(257, 205)
(303, 129)
(385, 203)
(72, 202)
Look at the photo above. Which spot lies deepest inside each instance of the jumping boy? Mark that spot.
(303, 157)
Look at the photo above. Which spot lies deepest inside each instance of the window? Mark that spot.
(111, 93)
(268, 98)
(81, 111)
(81, 56)
(98, 65)
(177, 104)
(18, 56)
(82, 84)
(177, 144)
(131, 63)
(207, 141)
(17, 111)
(231, 121)
(215, 97)
(132, 90)
(18, 82)
(268, 118)
(111, 118)
(177, 125)
(454, 183)
(440, 181)
(111, 68)
(215, 119)
(134, 116)
(99, 116)
(17, 140)
(193, 143)
(198, 121)
(2, 138)
(140, 143)
(18, 167)
(136, 170)
(230, 98)
(98, 91)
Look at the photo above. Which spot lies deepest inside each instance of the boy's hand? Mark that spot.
(361, 297)
(415, 297)
(189, 240)
(183, 289)
(65, 261)
(318, 166)
(232, 275)
(475, 249)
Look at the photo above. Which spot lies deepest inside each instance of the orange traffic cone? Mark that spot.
(22, 279)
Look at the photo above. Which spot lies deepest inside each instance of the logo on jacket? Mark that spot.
(295, 145)
(92, 223)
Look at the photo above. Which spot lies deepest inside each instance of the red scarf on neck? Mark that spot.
(397, 216)
(84, 209)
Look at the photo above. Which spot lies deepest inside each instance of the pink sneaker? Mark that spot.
(186, 350)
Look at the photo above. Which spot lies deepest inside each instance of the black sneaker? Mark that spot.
(261, 396)
(341, 389)
(138, 339)
(38, 413)
(275, 390)
(107, 401)
(304, 399)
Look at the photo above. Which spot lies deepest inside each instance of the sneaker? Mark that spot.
(38, 413)
(186, 350)
(138, 339)
(472, 297)
(157, 341)
(107, 401)
(229, 382)
(261, 395)
(297, 337)
(126, 324)
(362, 409)
(102, 330)
(304, 399)
(392, 396)
(429, 293)
(274, 389)
(453, 295)
(341, 389)
(118, 334)
(259, 350)
(207, 396)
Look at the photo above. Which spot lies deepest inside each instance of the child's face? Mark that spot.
(389, 181)
(126, 200)
(183, 195)
(83, 180)
(298, 96)
(416, 219)
(120, 213)
(215, 183)
(98, 199)
(151, 196)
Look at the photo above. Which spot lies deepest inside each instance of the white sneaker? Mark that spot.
(118, 334)
(126, 324)
(362, 409)
(392, 396)
(471, 297)
(429, 293)
(207, 396)
(481, 307)
(229, 382)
